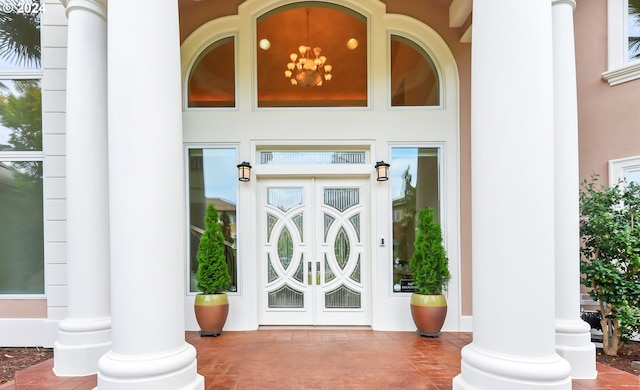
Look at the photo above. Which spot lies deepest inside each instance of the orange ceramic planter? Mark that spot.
(211, 313)
(429, 313)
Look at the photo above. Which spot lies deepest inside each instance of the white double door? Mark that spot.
(314, 257)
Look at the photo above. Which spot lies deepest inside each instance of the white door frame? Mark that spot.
(314, 271)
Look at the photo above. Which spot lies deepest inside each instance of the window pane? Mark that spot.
(212, 82)
(280, 35)
(312, 157)
(20, 35)
(21, 219)
(20, 115)
(414, 185)
(632, 175)
(414, 80)
(213, 180)
(634, 30)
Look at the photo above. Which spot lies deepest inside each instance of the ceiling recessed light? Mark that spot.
(264, 44)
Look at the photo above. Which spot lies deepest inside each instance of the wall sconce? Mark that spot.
(244, 171)
(382, 168)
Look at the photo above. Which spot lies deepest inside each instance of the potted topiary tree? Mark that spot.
(430, 267)
(213, 279)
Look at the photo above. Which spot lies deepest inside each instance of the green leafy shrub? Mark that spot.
(610, 265)
(429, 263)
(212, 275)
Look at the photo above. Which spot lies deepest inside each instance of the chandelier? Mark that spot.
(307, 67)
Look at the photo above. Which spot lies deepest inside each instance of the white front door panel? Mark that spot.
(314, 261)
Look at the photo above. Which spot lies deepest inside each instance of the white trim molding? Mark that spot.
(619, 169)
(622, 75)
(459, 12)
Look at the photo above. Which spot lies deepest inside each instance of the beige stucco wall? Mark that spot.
(23, 308)
(608, 117)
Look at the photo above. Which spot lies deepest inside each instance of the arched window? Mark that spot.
(414, 79)
(212, 81)
(334, 35)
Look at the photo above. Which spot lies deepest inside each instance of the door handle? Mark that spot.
(310, 273)
(318, 273)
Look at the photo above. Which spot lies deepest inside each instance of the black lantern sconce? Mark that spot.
(382, 168)
(244, 171)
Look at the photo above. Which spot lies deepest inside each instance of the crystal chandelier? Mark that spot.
(307, 67)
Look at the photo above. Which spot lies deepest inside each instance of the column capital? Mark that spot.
(572, 3)
(98, 7)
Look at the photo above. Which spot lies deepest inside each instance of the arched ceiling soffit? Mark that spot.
(330, 28)
(449, 17)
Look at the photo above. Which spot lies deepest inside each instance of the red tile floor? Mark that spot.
(321, 359)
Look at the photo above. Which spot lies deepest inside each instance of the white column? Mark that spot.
(85, 334)
(147, 202)
(512, 155)
(573, 336)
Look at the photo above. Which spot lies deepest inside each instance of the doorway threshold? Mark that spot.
(314, 327)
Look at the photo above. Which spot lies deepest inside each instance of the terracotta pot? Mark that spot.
(211, 313)
(428, 312)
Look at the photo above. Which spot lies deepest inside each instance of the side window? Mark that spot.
(213, 179)
(623, 30)
(414, 79)
(212, 81)
(415, 183)
(21, 154)
(624, 169)
(22, 238)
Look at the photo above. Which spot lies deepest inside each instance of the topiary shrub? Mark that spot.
(213, 275)
(610, 263)
(429, 263)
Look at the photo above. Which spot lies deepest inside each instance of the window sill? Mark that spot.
(622, 75)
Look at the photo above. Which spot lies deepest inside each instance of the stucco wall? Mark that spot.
(23, 308)
(608, 116)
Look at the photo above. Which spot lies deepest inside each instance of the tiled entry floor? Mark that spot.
(321, 359)
(331, 360)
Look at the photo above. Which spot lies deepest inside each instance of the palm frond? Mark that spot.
(634, 48)
(634, 8)
(634, 41)
(20, 37)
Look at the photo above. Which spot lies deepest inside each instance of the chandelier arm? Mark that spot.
(306, 71)
(307, 27)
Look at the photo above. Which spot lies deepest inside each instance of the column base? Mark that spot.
(80, 345)
(482, 369)
(573, 343)
(172, 370)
